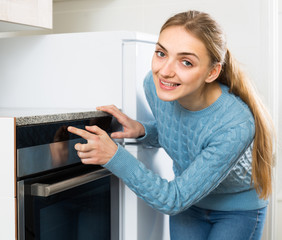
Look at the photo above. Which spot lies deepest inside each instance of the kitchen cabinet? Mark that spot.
(8, 190)
(20, 15)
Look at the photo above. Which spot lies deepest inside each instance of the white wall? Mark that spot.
(242, 21)
(149, 15)
(279, 163)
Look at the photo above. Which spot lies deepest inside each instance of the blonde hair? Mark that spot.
(202, 26)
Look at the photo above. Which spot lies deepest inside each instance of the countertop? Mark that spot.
(40, 116)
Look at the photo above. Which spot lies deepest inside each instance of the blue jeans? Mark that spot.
(201, 224)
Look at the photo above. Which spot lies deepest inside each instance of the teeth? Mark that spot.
(169, 84)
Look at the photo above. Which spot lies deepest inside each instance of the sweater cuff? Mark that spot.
(122, 164)
(151, 134)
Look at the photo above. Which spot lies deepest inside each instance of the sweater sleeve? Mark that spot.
(151, 134)
(151, 131)
(209, 168)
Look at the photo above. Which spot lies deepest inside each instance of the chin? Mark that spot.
(165, 97)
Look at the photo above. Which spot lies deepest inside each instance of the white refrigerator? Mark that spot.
(78, 72)
(151, 224)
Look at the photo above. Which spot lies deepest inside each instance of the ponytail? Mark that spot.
(262, 161)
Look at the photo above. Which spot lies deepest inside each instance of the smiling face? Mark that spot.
(182, 70)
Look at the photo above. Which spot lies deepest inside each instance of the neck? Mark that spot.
(206, 96)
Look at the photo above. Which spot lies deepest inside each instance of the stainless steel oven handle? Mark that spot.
(46, 190)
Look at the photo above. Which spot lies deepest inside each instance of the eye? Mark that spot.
(160, 54)
(186, 63)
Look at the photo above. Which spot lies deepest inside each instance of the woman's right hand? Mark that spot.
(131, 128)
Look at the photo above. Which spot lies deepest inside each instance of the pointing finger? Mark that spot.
(80, 132)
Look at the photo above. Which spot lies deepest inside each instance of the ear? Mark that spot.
(214, 73)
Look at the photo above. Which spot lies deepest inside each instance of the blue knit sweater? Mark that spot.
(211, 151)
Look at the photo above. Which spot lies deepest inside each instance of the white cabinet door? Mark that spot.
(7, 179)
(25, 15)
(74, 71)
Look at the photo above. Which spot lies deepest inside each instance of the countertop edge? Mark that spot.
(58, 117)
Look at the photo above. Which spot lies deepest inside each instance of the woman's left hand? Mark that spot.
(99, 149)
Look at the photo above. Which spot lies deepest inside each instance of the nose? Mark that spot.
(167, 70)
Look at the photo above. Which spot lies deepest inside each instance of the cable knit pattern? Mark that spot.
(211, 151)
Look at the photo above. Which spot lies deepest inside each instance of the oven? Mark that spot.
(57, 196)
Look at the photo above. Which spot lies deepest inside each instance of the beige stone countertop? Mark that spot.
(25, 116)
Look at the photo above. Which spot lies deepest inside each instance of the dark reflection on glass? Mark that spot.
(59, 149)
(33, 135)
(78, 214)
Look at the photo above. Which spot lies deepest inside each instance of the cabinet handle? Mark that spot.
(46, 190)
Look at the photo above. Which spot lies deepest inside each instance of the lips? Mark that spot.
(168, 85)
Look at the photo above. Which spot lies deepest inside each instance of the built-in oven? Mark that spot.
(57, 196)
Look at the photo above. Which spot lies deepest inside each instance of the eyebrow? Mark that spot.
(181, 53)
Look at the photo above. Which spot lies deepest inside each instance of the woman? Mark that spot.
(213, 126)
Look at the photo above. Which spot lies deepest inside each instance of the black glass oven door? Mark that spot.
(81, 212)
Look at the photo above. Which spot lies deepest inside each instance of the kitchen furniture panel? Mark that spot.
(7, 178)
(19, 15)
(7, 218)
(7, 153)
(81, 70)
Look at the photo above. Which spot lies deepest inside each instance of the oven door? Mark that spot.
(78, 203)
